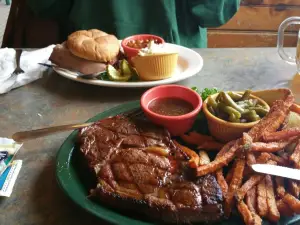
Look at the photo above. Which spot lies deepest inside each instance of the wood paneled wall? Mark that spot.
(256, 24)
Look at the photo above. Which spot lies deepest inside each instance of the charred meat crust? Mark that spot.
(132, 178)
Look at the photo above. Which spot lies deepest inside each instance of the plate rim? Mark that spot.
(62, 166)
(193, 71)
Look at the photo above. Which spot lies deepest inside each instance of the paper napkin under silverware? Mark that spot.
(28, 62)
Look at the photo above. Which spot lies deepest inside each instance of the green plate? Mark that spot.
(75, 181)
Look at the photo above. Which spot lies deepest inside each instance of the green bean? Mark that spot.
(236, 107)
(218, 98)
(260, 111)
(211, 102)
(250, 116)
(242, 105)
(235, 96)
(229, 102)
(246, 111)
(246, 104)
(261, 106)
(211, 109)
(229, 110)
(232, 118)
(246, 95)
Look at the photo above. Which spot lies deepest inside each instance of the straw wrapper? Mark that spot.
(9, 168)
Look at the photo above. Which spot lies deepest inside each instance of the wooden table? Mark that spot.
(54, 100)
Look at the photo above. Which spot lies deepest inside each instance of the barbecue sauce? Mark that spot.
(170, 106)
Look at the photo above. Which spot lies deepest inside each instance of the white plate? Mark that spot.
(189, 64)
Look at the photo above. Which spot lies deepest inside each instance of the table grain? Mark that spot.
(55, 100)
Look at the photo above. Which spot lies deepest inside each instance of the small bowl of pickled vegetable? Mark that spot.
(229, 114)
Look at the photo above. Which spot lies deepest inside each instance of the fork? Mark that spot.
(78, 74)
(18, 69)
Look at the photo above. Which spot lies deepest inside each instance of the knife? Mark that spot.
(47, 65)
(280, 171)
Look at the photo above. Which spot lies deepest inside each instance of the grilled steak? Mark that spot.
(133, 174)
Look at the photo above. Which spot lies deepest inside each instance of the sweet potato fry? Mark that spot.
(211, 145)
(194, 157)
(245, 213)
(273, 214)
(226, 155)
(225, 149)
(292, 202)
(285, 124)
(271, 162)
(220, 161)
(263, 158)
(274, 119)
(295, 108)
(271, 146)
(219, 173)
(235, 183)
(257, 219)
(295, 156)
(249, 184)
(203, 158)
(280, 160)
(262, 206)
(246, 142)
(251, 199)
(293, 188)
(247, 173)
(250, 158)
(280, 190)
(229, 175)
(282, 135)
(195, 138)
(284, 209)
(222, 182)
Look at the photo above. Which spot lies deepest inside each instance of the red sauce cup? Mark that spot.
(177, 125)
(131, 52)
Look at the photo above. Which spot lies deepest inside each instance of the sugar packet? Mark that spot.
(9, 177)
(9, 168)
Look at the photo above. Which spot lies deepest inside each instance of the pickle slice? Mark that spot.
(115, 75)
(125, 67)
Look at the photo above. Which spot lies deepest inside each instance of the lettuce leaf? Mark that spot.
(206, 92)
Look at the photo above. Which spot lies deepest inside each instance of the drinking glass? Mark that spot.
(289, 59)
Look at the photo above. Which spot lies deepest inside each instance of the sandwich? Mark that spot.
(86, 51)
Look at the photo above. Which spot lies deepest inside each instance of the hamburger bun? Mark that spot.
(94, 45)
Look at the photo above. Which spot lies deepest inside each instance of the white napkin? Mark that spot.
(28, 62)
